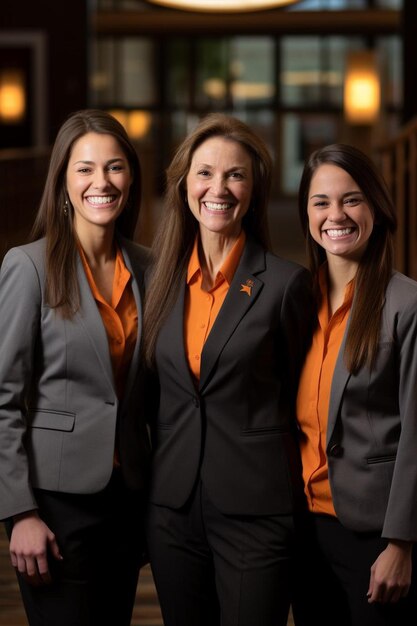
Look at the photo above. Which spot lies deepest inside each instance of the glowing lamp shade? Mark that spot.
(362, 92)
(136, 123)
(222, 5)
(12, 96)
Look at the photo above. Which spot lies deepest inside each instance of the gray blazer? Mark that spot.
(59, 413)
(372, 428)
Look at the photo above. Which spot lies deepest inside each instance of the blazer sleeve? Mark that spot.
(401, 515)
(20, 306)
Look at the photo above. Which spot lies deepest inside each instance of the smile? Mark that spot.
(217, 206)
(339, 232)
(101, 199)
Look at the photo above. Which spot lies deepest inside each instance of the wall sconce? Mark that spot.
(136, 123)
(362, 91)
(12, 96)
(222, 5)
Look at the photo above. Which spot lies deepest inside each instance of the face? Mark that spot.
(98, 181)
(340, 219)
(219, 186)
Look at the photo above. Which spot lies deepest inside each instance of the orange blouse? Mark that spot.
(202, 307)
(120, 318)
(314, 396)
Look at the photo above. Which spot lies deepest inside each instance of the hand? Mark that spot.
(30, 543)
(391, 573)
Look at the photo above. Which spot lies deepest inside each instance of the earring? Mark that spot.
(66, 208)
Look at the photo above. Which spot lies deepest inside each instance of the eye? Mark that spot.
(203, 172)
(353, 200)
(115, 168)
(319, 203)
(84, 170)
(236, 175)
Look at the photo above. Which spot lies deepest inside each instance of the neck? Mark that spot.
(99, 246)
(340, 273)
(213, 251)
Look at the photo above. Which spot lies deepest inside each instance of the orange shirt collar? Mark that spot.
(121, 277)
(229, 266)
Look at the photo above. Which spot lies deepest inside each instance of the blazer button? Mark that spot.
(336, 450)
(196, 402)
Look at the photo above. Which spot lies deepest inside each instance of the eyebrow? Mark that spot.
(93, 162)
(231, 169)
(348, 193)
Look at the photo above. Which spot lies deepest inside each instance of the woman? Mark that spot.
(226, 327)
(73, 444)
(357, 403)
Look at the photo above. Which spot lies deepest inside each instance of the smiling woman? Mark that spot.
(356, 404)
(226, 328)
(74, 446)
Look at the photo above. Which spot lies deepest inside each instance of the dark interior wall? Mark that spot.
(66, 26)
(409, 30)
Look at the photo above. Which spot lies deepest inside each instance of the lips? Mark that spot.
(217, 206)
(98, 200)
(339, 232)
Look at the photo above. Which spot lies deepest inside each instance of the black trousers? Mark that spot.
(101, 537)
(212, 569)
(331, 578)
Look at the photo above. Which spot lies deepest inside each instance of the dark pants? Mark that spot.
(101, 538)
(213, 569)
(331, 578)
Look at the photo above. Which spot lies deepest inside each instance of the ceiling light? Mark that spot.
(237, 6)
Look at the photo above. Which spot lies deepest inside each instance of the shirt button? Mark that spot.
(202, 325)
(197, 357)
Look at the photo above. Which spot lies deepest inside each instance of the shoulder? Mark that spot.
(400, 309)
(26, 255)
(271, 265)
(276, 262)
(401, 290)
(288, 274)
(139, 255)
(22, 274)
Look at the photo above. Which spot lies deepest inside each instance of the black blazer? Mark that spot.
(236, 429)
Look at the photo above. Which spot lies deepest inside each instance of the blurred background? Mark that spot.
(302, 73)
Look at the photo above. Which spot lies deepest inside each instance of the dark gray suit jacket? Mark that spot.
(372, 427)
(236, 428)
(59, 413)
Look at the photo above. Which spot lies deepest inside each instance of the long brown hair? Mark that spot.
(56, 224)
(376, 265)
(177, 229)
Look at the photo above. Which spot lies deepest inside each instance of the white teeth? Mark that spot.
(100, 199)
(217, 206)
(339, 232)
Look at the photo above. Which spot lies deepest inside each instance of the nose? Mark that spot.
(336, 213)
(218, 185)
(100, 179)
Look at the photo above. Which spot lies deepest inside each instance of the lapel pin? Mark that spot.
(247, 287)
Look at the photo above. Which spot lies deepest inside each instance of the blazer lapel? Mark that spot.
(340, 379)
(242, 294)
(173, 334)
(137, 289)
(90, 318)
